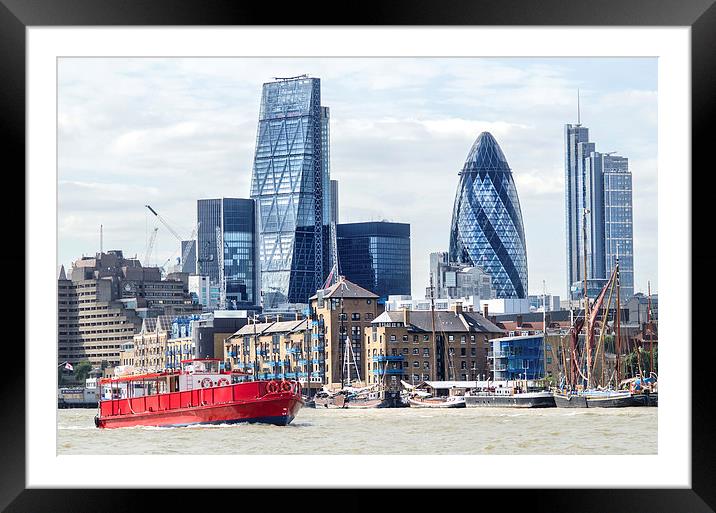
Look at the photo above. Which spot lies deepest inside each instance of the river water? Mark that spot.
(383, 431)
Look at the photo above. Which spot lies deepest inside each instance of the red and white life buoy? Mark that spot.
(286, 386)
(223, 382)
(272, 387)
(207, 383)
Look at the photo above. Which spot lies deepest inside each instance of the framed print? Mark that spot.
(421, 253)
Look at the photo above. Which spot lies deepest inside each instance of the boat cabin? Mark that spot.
(194, 374)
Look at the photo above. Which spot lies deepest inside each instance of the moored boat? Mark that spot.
(198, 394)
(509, 397)
(452, 401)
(595, 399)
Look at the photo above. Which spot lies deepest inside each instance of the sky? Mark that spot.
(169, 131)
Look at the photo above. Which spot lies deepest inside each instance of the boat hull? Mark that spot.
(595, 401)
(417, 403)
(510, 401)
(241, 402)
(279, 411)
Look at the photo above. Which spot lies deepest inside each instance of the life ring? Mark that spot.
(207, 383)
(286, 386)
(272, 387)
(223, 382)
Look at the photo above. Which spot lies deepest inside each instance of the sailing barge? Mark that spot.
(198, 394)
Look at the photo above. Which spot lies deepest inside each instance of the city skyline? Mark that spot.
(178, 130)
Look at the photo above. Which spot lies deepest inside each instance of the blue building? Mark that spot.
(291, 171)
(237, 222)
(376, 256)
(598, 195)
(487, 229)
(516, 358)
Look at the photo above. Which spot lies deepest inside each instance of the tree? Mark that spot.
(82, 370)
(641, 358)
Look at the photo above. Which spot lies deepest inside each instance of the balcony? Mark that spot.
(388, 358)
(318, 348)
(387, 371)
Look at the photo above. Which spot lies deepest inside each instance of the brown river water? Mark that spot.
(383, 431)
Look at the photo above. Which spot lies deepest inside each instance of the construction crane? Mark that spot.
(150, 246)
(188, 247)
(220, 258)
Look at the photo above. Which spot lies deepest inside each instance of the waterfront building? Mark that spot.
(598, 212)
(102, 304)
(235, 220)
(92, 324)
(278, 350)
(376, 256)
(290, 174)
(519, 357)
(487, 229)
(346, 308)
(455, 280)
(150, 344)
(400, 346)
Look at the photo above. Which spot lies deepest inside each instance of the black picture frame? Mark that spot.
(17, 15)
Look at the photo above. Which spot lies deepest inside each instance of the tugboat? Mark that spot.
(197, 394)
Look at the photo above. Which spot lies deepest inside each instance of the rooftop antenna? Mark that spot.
(579, 122)
(101, 245)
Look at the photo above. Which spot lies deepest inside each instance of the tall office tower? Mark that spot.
(236, 221)
(487, 229)
(618, 220)
(598, 196)
(376, 256)
(290, 173)
(575, 136)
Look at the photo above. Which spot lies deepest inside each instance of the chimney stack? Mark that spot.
(484, 310)
(457, 307)
(406, 316)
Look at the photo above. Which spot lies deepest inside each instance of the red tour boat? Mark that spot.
(199, 393)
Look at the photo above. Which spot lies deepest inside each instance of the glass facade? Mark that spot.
(618, 221)
(237, 221)
(601, 183)
(376, 256)
(518, 358)
(574, 138)
(290, 173)
(487, 229)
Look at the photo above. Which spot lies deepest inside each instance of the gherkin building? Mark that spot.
(487, 228)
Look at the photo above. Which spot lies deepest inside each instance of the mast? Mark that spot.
(342, 339)
(256, 351)
(432, 312)
(650, 331)
(544, 330)
(619, 317)
(587, 334)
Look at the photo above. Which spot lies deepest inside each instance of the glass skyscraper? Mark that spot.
(290, 174)
(487, 229)
(600, 183)
(237, 222)
(376, 256)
